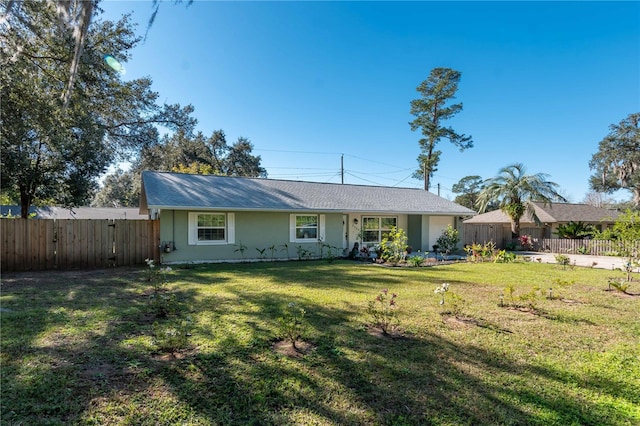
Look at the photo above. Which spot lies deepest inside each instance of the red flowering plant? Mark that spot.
(526, 242)
(383, 311)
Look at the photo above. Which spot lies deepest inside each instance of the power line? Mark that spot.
(300, 168)
(301, 174)
(399, 182)
(352, 173)
(366, 180)
(327, 153)
(298, 152)
(374, 161)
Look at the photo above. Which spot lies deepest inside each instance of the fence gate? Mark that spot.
(43, 244)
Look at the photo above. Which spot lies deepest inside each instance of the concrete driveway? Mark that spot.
(601, 262)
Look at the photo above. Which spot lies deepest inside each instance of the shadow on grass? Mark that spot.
(74, 351)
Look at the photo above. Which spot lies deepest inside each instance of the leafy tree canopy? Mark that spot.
(469, 188)
(119, 189)
(184, 153)
(626, 234)
(431, 110)
(617, 162)
(57, 138)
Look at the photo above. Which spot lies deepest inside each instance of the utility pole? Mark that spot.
(342, 168)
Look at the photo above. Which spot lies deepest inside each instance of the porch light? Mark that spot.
(355, 220)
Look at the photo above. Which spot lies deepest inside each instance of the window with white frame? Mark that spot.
(211, 228)
(374, 228)
(306, 227)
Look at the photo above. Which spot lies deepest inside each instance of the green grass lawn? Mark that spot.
(79, 347)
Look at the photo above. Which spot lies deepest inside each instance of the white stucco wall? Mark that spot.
(435, 226)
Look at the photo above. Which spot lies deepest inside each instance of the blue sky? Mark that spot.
(309, 81)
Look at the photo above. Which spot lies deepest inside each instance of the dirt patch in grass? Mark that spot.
(460, 321)
(174, 356)
(624, 294)
(284, 347)
(571, 302)
(396, 333)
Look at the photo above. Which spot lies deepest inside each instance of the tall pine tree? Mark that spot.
(431, 110)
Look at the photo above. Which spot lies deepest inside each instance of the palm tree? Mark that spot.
(515, 192)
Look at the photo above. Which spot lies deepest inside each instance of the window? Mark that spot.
(374, 228)
(211, 228)
(306, 227)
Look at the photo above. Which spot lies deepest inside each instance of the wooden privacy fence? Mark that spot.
(42, 244)
(592, 247)
(483, 233)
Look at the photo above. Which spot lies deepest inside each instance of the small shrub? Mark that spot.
(303, 253)
(531, 297)
(415, 261)
(152, 273)
(525, 242)
(272, 249)
(393, 246)
(285, 247)
(292, 324)
(330, 256)
(504, 256)
(628, 268)
(561, 284)
(563, 259)
(510, 290)
(480, 252)
(621, 285)
(240, 248)
(457, 303)
(473, 252)
(383, 311)
(583, 250)
(448, 240)
(161, 304)
(261, 251)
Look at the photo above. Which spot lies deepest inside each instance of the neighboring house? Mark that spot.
(218, 218)
(496, 225)
(129, 213)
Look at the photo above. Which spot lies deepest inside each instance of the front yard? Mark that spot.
(86, 347)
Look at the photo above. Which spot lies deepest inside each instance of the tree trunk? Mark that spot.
(515, 228)
(427, 170)
(25, 204)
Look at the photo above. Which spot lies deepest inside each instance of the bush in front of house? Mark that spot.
(448, 241)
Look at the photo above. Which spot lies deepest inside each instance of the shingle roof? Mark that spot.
(552, 213)
(53, 212)
(166, 190)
